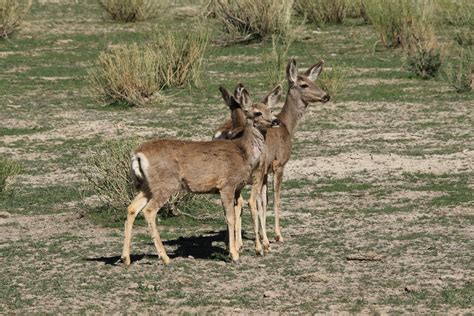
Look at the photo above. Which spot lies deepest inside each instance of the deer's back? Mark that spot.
(199, 167)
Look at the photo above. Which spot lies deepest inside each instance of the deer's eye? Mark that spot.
(304, 86)
(257, 114)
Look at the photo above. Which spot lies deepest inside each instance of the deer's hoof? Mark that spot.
(166, 260)
(126, 261)
(279, 238)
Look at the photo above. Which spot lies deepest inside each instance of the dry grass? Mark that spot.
(12, 13)
(333, 81)
(401, 22)
(130, 10)
(136, 73)
(8, 169)
(248, 20)
(323, 11)
(460, 74)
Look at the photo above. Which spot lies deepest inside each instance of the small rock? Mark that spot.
(271, 294)
(150, 287)
(4, 214)
(412, 289)
(133, 285)
(190, 257)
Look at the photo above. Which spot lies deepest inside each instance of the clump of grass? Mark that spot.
(333, 81)
(396, 21)
(323, 11)
(460, 74)
(135, 74)
(130, 10)
(12, 13)
(277, 59)
(8, 169)
(464, 36)
(248, 20)
(457, 13)
(107, 174)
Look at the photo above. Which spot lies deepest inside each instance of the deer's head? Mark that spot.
(304, 82)
(243, 109)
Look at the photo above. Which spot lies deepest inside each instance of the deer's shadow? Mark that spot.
(198, 247)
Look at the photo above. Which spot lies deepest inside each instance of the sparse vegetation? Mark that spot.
(333, 81)
(460, 73)
(247, 20)
(12, 13)
(8, 169)
(130, 10)
(323, 11)
(136, 73)
(277, 59)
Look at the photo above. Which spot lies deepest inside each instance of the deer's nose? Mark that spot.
(326, 98)
(276, 123)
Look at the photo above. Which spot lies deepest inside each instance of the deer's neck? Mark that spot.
(253, 143)
(293, 110)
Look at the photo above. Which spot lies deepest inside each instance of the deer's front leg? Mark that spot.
(227, 198)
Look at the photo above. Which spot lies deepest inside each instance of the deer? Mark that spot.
(301, 92)
(231, 129)
(163, 167)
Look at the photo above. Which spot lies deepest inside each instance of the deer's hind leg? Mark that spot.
(150, 211)
(138, 203)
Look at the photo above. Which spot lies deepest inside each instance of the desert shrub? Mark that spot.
(135, 74)
(12, 13)
(424, 62)
(130, 10)
(464, 36)
(332, 81)
(248, 20)
(356, 9)
(277, 59)
(8, 169)
(322, 11)
(107, 174)
(460, 73)
(398, 22)
(455, 12)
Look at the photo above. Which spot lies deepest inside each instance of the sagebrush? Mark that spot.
(332, 81)
(8, 169)
(107, 174)
(460, 73)
(323, 11)
(12, 13)
(130, 10)
(400, 22)
(135, 74)
(247, 20)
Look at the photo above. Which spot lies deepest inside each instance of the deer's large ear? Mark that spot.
(273, 97)
(313, 72)
(291, 71)
(229, 99)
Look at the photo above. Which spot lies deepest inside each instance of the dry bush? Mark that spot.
(8, 169)
(395, 21)
(107, 174)
(12, 13)
(333, 81)
(130, 10)
(460, 73)
(455, 12)
(135, 74)
(322, 11)
(277, 59)
(248, 20)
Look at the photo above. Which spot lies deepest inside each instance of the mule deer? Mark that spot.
(163, 167)
(232, 129)
(302, 91)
